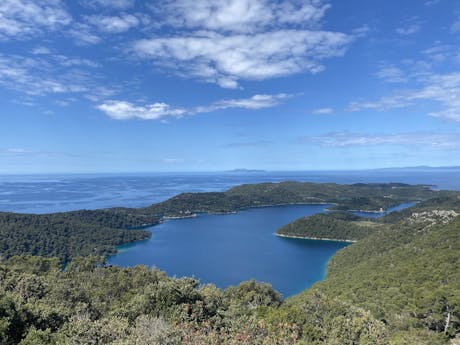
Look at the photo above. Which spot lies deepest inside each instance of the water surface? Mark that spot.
(228, 249)
(58, 193)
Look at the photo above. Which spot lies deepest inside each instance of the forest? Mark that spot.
(399, 284)
(98, 232)
(340, 225)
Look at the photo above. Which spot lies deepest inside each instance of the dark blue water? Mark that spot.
(57, 193)
(223, 249)
(387, 211)
(228, 249)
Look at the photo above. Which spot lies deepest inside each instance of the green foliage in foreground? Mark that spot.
(64, 235)
(407, 275)
(334, 225)
(93, 304)
(400, 285)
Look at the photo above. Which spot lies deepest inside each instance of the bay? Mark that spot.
(223, 249)
(228, 249)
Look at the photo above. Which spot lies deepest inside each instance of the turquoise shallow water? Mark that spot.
(228, 249)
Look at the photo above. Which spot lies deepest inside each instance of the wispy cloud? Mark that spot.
(20, 19)
(116, 4)
(441, 88)
(256, 143)
(63, 60)
(39, 76)
(431, 2)
(253, 103)
(26, 152)
(123, 110)
(323, 111)
(113, 24)
(421, 139)
(391, 74)
(241, 15)
(83, 34)
(409, 27)
(455, 28)
(35, 77)
(228, 41)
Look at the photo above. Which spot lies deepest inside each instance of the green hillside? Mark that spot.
(343, 226)
(399, 284)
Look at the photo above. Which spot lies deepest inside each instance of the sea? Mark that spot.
(217, 249)
(59, 193)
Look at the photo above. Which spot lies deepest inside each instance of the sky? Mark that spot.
(213, 85)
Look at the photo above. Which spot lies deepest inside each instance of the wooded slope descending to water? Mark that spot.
(70, 234)
(344, 226)
(398, 286)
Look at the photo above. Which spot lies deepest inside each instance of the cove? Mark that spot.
(230, 248)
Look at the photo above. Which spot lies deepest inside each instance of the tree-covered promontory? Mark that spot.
(342, 226)
(98, 232)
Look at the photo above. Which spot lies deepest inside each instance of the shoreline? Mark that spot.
(315, 238)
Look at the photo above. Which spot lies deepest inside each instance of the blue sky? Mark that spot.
(200, 85)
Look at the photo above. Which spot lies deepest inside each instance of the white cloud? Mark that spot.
(253, 103)
(361, 31)
(455, 28)
(113, 24)
(122, 110)
(225, 59)
(440, 88)
(391, 74)
(41, 51)
(323, 111)
(83, 35)
(51, 74)
(62, 59)
(431, 2)
(25, 152)
(409, 29)
(24, 18)
(117, 4)
(421, 139)
(224, 42)
(241, 15)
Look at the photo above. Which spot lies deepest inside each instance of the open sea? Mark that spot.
(58, 193)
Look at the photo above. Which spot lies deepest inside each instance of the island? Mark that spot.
(333, 226)
(98, 232)
(398, 284)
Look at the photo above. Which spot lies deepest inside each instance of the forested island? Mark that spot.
(399, 284)
(97, 232)
(336, 226)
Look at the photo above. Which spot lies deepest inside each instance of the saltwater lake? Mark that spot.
(222, 249)
(228, 249)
